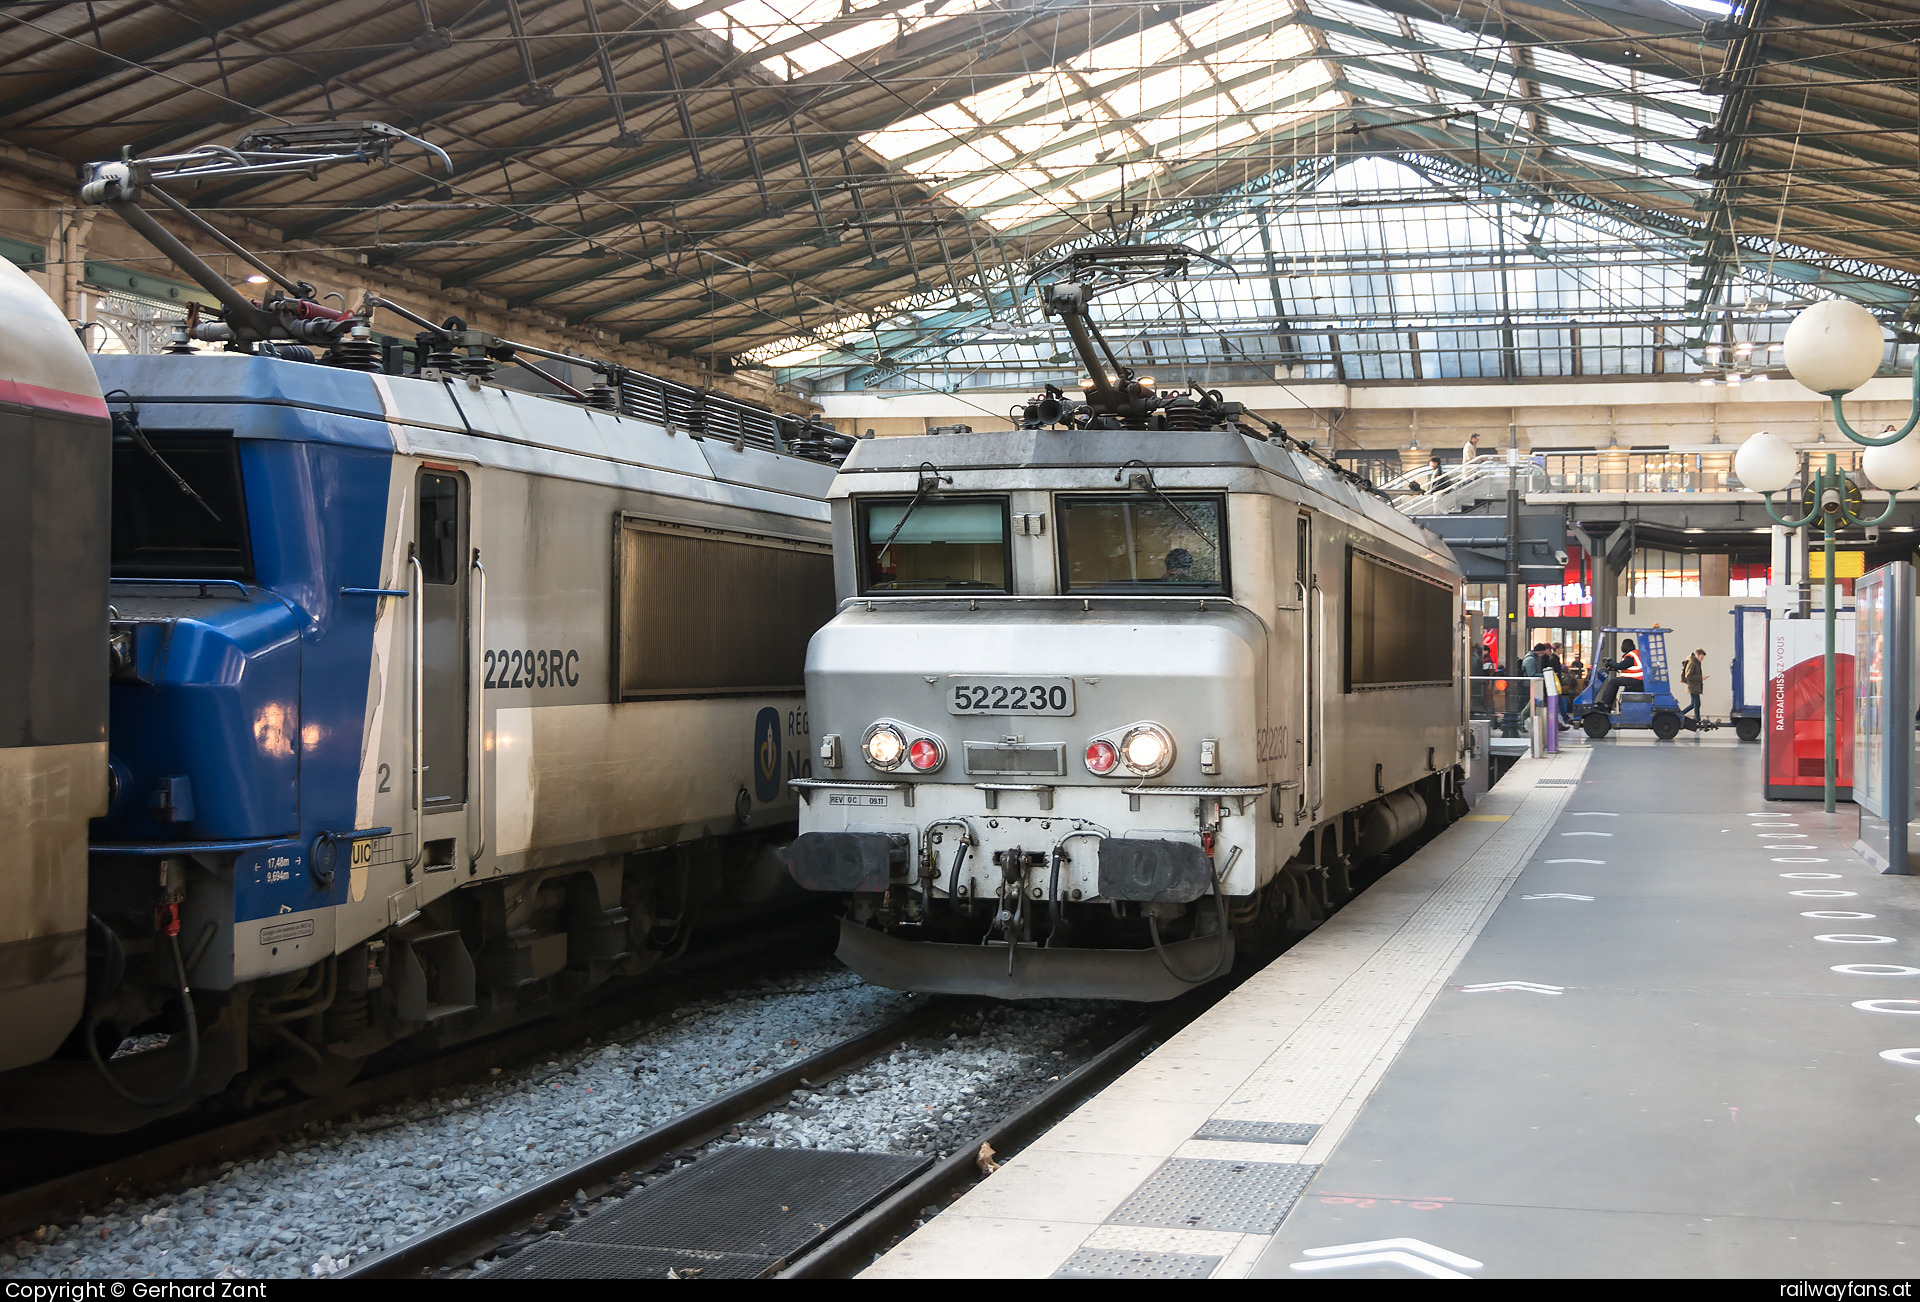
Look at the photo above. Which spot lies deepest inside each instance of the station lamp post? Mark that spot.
(1833, 348)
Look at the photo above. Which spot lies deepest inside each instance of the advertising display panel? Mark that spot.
(1882, 740)
(1796, 724)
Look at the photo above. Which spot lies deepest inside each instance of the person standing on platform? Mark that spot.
(1530, 662)
(1693, 674)
(1550, 662)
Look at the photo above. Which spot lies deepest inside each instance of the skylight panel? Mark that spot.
(815, 34)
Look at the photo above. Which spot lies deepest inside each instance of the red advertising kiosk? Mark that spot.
(1796, 718)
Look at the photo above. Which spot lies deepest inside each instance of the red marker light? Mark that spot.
(1102, 757)
(924, 755)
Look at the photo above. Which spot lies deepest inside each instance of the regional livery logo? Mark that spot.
(766, 756)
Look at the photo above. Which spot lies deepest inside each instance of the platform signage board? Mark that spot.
(1796, 718)
(1883, 714)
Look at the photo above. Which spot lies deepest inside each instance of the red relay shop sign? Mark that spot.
(1568, 599)
(1796, 724)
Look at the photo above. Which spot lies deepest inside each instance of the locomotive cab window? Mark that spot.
(1399, 626)
(439, 539)
(1173, 545)
(933, 545)
(179, 506)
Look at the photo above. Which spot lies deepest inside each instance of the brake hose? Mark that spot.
(193, 1044)
(1219, 958)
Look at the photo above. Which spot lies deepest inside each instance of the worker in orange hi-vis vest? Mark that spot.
(1628, 676)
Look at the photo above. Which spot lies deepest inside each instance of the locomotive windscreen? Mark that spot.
(926, 546)
(161, 530)
(704, 612)
(1142, 544)
(1399, 626)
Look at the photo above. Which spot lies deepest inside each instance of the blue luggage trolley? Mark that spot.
(1653, 707)
(1749, 671)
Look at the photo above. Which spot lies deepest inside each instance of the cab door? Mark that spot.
(442, 546)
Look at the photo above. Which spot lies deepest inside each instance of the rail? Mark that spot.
(467, 1238)
(1600, 472)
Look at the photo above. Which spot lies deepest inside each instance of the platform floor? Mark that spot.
(1590, 1031)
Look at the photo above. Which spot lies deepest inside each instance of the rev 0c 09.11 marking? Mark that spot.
(531, 668)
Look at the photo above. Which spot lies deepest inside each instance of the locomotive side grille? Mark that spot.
(698, 412)
(1000, 759)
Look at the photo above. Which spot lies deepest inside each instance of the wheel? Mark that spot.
(1597, 725)
(332, 1074)
(1747, 728)
(1666, 725)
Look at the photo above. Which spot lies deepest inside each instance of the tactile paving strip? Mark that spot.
(559, 1258)
(1259, 1132)
(1117, 1263)
(1207, 1194)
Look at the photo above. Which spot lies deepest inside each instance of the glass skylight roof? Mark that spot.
(1212, 101)
(1125, 113)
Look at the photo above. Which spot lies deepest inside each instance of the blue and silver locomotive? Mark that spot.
(434, 702)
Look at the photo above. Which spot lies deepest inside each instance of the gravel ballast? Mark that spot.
(345, 1191)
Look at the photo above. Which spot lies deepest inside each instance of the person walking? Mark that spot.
(1693, 674)
(1470, 449)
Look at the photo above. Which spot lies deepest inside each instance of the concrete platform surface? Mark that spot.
(1626, 1020)
(1706, 1094)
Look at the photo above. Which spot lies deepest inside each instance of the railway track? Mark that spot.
(524, 1218)
(466, 1239)
(64, 1195)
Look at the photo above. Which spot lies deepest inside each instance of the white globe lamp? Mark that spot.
(1895, 467)
(1766, 463)
(1834, 347)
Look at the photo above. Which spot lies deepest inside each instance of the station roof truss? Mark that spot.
(857, 191)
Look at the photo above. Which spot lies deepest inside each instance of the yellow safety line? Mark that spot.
(1486, 818)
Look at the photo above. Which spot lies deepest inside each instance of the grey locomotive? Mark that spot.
(1109, 689)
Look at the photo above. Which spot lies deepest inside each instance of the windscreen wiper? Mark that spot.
(930, 481)
(1148, 476)
(128, 422)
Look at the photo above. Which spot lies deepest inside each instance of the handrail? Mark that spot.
(418, 787)
(374, 592)
(479, 641)
(1306, 690)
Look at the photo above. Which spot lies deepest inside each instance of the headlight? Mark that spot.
(925, 754)
(1147, 750)
(884, 746)
(1102, 757)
